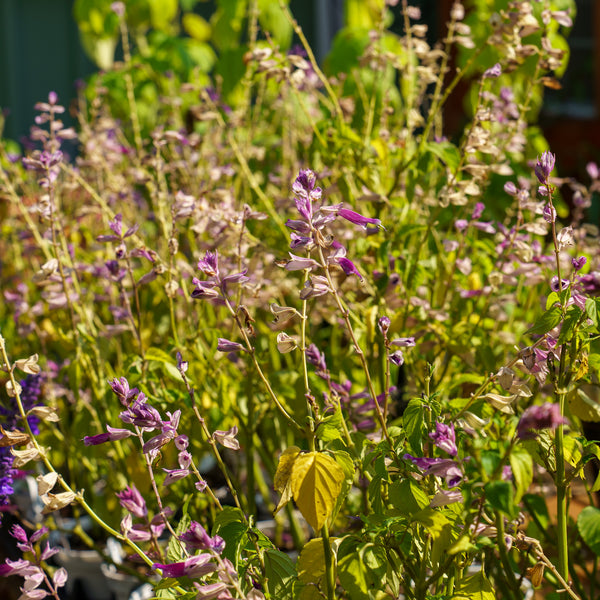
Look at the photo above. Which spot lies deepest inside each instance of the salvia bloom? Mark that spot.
(131, 500)
(31, 388)
(544, 166)
(538, 417)
(196, 538)
(444, 438)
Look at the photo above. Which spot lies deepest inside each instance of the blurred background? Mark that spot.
(52, 45)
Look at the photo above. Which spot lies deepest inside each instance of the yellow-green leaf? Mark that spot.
(311, 562)
(476, 587)
(316, 482)
(283, 474)
(196, 27)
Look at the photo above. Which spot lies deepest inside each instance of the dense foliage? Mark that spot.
(257, 289)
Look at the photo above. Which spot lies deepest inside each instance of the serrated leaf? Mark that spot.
(588, 524)
(311, 562)
(331, 427)
(548, 321)
(316, 482)
(362, 572)
(591, 310)
(280, 572)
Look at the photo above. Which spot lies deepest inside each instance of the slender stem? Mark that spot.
(329, 563)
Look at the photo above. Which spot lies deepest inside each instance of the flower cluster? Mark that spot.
(31, 568)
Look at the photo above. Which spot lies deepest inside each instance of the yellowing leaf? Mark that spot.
(282, 476)
(197, 27)
(311, 562)
(284, 468)
(316, 482)
(584, 402)
(476, 587)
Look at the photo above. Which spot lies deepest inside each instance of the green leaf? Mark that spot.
(362, 571)
(536, 505)
(476, 587)
(447, 152)
(591, 310)
(331, 427)
(407, 497)
(311, 562)
(413, 421)
(521, 464)
(588, 524)
(280, 572)
(549, 320)
(572, 317)
(500, 496)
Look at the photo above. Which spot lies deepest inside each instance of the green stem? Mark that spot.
(329, 564)
(561, 497)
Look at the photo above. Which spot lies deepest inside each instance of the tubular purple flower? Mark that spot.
(441, 467)
(578, 263)
(357, 219)
(549, 213)
(537, 417)
(209, 265)
(174, 475)
(195, 566)
(478, 210)
(349, 267)
(493, 72)
(132, 501)
(210, 591)
(544, 166)
(112, 435)
(444, 438)
(397, 358)
(196, 538)
(224, 345)
(121, 388)
(384, 324)
(405, 342)
(299, 263)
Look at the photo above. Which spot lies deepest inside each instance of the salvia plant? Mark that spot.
(295, 339)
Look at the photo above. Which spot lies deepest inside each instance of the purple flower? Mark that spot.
(131, 500)
(195, 566)
(537, 417)
(384, 325)
(578, 262)
(224, 345)
(549, 213)
(405, 342)
(209, 265)
(142, 414)
(493, 72)
(442, 467)
(357, 219)
(478, 210)
(112, 435)
(196, 538)
(349, 267)
(397, 358)
(444, 438)
(544, 166)
(121, 388)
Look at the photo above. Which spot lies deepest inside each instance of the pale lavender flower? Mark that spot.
(403, 342)
(397, 358)
(592, 170)
(549, 213)
(212, 591)
(493, 72)
(384, 325)
(227, 438)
